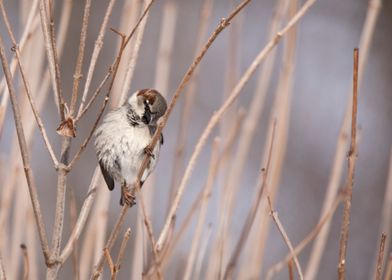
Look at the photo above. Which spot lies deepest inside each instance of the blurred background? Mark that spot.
(317, 98)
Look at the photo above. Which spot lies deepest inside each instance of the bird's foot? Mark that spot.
(148, 151)
(127, 197)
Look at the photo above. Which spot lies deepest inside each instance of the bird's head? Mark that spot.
(148, 104)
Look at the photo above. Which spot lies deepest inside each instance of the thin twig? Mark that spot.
(108, 258)
(94, 57)
(352, 158)
(121, 253)
(216, 117)
(388, 273)
(251, 214)
(73, 212)
(291, 269)
(50, 45)
(83, 215)
(282, 231)
(26, 263)
(25, 156)
(380, 258)
(27, 87)
(79, 62)
(302, 245)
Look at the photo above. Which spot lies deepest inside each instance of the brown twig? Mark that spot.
(50, 45)
(83, 215)
(291, 269)
(251, 214)
(121, 253)
(73, 212)
(282, 231)
(27, 87)
(26, 263)
(25, 156)
(108, 258)
(94, 57)
(380, 258)
(352, 157)
(388, 273)
(302, 245)
(78, 68)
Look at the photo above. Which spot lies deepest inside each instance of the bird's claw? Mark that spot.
(148, 151)
(128, 198)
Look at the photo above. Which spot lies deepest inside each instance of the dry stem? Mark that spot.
(25, 155)
(352, 156)
(26, 263)
(121, 253)
(380, 257)
(282, 231)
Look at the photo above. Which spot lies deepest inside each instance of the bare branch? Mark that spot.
(2, 272)
(313, 234)
(27, 87)
(380, 257)
(121, 253)
(50, 45)
(94, 57)
(25, 156)
(282, 231)
(352, 158)
(26, 263)
(78, 68)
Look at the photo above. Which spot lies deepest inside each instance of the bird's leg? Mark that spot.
(128, 197)
(148, 151)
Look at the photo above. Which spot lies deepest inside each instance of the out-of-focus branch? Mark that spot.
(25, 156)
(26, 262)
(27, 87)
(2, 272)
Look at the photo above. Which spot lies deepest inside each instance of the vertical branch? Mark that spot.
(50, 45)
(94, 57)
(352, 156)
(2, 272)
(79, 62)
(380, 257)
(372, 14)
(25, 155)
(26, 263)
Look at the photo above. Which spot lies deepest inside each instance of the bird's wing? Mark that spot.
(106, 175)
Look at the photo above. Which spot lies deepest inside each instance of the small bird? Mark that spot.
(122, 140)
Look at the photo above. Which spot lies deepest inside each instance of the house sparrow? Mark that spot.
(122, 140)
